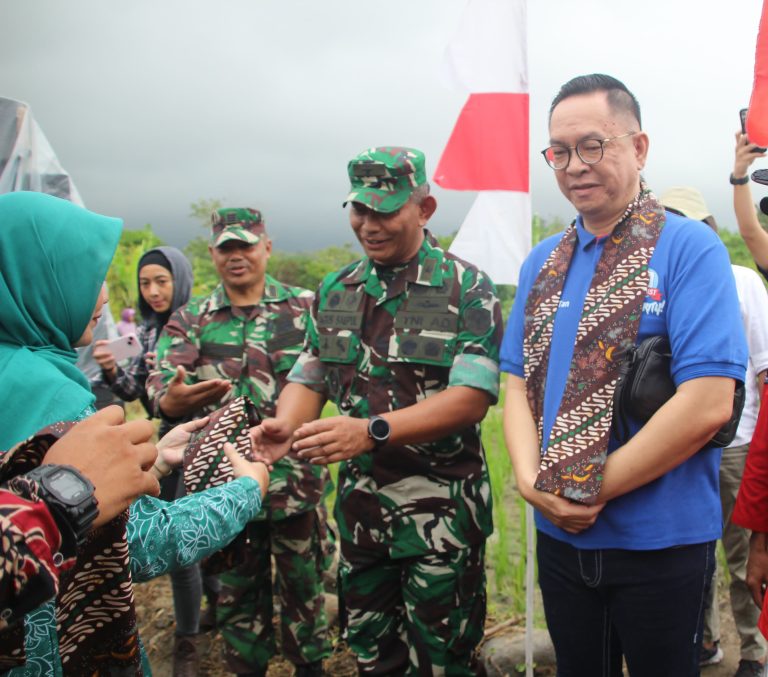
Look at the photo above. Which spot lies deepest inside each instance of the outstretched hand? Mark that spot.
(181, 399)
(170, 449)
(271, 440)
(114, 455)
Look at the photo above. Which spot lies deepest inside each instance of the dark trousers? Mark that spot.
(644, 605)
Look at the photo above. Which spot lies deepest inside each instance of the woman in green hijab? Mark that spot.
(54, 257)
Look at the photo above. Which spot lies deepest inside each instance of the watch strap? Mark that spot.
(74, 520)
(27, 488)
(738, 181)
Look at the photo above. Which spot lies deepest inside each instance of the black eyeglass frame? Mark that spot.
(570, 149)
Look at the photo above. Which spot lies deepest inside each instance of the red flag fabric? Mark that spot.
(757, 117)
(488, 148)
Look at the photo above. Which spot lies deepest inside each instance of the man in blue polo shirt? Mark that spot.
(626, 533)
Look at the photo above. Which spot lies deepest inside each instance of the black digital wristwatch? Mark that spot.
(379, 431)
(70, 498)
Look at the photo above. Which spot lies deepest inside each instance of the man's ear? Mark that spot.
(640, 142)
(426, 209)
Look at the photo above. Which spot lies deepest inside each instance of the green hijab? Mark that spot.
(54, 257)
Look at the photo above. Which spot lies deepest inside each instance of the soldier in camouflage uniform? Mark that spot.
(405, 342)
(244, 338)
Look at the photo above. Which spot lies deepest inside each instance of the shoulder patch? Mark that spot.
(477, 320)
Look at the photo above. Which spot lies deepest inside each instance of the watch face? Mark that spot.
(66, 487)
(379, 429)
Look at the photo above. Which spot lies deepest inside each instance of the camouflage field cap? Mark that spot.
(383, 178)
(237, 223)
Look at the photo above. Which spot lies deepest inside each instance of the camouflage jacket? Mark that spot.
(381, 340)
(254, 348)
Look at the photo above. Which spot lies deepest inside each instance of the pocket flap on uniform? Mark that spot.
(426, 349)
(336, 348)
(288, 339)
(221, 351)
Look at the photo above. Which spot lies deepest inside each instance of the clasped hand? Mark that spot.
(324, 441)
(563, 513)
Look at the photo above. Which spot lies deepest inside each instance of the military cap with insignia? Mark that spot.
(384, 177)
(238, 223)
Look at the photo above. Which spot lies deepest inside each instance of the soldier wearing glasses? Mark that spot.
(626, 532)
(405, 343)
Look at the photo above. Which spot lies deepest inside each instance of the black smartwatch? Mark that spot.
(378, 431)
(69, 497)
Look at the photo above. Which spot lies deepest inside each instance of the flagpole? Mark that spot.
(529, 583)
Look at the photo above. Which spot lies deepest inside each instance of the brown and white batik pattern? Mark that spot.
(575, 456)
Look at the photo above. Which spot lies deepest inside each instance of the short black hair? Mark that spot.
(619, 97)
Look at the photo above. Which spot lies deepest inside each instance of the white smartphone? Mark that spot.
(125, 347)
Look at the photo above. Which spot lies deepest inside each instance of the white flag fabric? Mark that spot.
(489, 51)
(499, 221)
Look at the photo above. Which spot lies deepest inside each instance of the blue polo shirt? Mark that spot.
(691, 299)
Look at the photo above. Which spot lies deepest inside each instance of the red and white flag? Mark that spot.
(488, 148)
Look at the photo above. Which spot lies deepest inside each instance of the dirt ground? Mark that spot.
(154, 607)
(729, 641)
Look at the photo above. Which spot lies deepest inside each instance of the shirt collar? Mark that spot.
(424, 268)
(218, 298)
(584, 237)
(274, 291)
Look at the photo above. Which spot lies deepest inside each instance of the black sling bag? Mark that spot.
(645, 384)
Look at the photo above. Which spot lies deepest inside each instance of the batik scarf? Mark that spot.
(577, 447)
(95, 612)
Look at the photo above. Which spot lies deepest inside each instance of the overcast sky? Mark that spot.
(153, 104)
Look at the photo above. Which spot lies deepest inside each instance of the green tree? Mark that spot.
(203, 208)
(737, 250)
(308, 269)
(445, 241)
(206, 277)
(196, 251)
(541, 229)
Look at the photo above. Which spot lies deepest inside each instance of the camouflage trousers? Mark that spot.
(413, 616)
(244, 612)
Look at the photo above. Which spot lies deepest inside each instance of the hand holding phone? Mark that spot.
(124, 347)
(743, 117)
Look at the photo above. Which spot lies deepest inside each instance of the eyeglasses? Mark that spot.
(590, 151)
